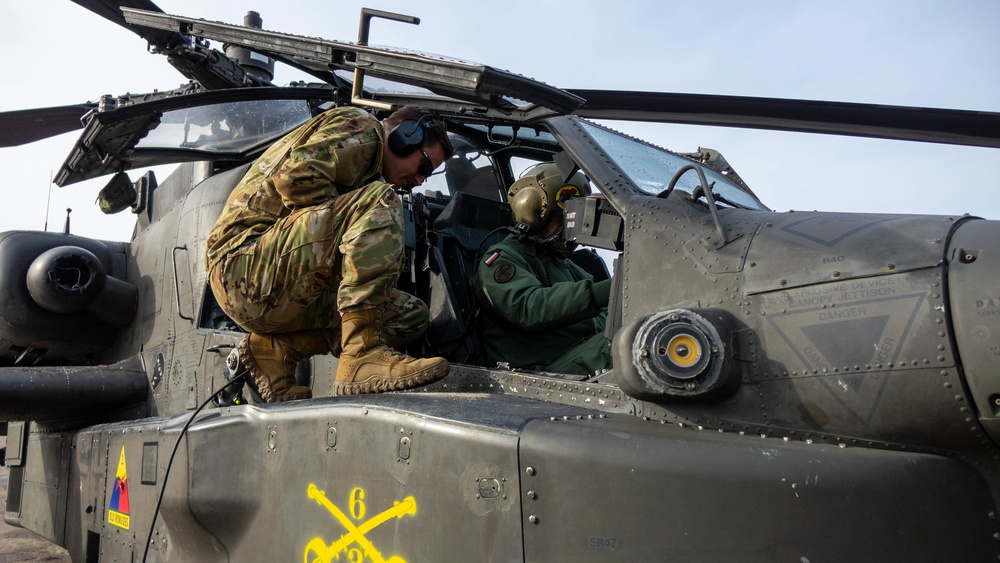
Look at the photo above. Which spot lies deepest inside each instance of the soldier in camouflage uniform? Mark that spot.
(307, 251)
(540, 310)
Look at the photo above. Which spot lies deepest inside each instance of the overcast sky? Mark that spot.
(899, 52)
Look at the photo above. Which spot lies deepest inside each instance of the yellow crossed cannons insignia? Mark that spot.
(355, 533)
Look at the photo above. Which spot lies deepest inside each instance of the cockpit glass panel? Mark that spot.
(226, 127)
(469, 170)
(651, 168)
(505, 134)
(378, 85)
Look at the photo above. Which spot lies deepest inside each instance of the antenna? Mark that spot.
(48, 202)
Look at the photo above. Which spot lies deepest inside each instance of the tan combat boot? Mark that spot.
(271, 359)
(368, 365)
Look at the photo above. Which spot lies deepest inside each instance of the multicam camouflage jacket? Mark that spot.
(334, 153)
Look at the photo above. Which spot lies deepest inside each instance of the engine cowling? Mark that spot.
(77, 302)
(70, 279)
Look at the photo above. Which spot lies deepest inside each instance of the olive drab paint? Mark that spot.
(783, 385)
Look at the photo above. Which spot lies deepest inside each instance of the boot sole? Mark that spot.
(378, 384)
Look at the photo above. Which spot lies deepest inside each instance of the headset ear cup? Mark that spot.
(527, 205)
(406, 137)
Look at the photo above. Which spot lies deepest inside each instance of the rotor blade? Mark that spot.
(956, 127)
(30, 125)
(111, 10)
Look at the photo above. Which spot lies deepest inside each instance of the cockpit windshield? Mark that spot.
(226, 127)
(651, 168)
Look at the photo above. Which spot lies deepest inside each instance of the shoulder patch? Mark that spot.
(504, 272)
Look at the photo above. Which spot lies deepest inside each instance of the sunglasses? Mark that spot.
(426, 167)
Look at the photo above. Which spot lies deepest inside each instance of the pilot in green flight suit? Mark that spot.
(540, 310)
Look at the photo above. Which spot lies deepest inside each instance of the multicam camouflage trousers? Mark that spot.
(318, 262)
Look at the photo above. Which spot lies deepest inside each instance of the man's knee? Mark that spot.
(586, 358)
(405, 318)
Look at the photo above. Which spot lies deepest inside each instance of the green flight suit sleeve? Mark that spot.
(602, 292)
(514, 292)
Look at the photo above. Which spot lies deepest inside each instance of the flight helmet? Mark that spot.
(541, 191)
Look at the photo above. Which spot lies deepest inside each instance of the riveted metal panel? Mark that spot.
(973, 269)
(824, 247)
(44, 485)
(624, 489)
(391, 479)
(270, 484)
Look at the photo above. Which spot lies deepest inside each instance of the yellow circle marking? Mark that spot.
(683, 350)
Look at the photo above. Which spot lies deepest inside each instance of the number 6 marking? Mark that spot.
(357, 503)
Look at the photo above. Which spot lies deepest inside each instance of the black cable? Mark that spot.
(551, 238)
(511, 230)
(163, 486)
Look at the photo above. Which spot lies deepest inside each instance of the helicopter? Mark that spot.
(782, 388)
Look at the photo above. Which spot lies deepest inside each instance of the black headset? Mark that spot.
(410, 135)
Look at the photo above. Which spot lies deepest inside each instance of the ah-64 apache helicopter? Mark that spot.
(783, 388)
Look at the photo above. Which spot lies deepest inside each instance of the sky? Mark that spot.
(897, 52)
